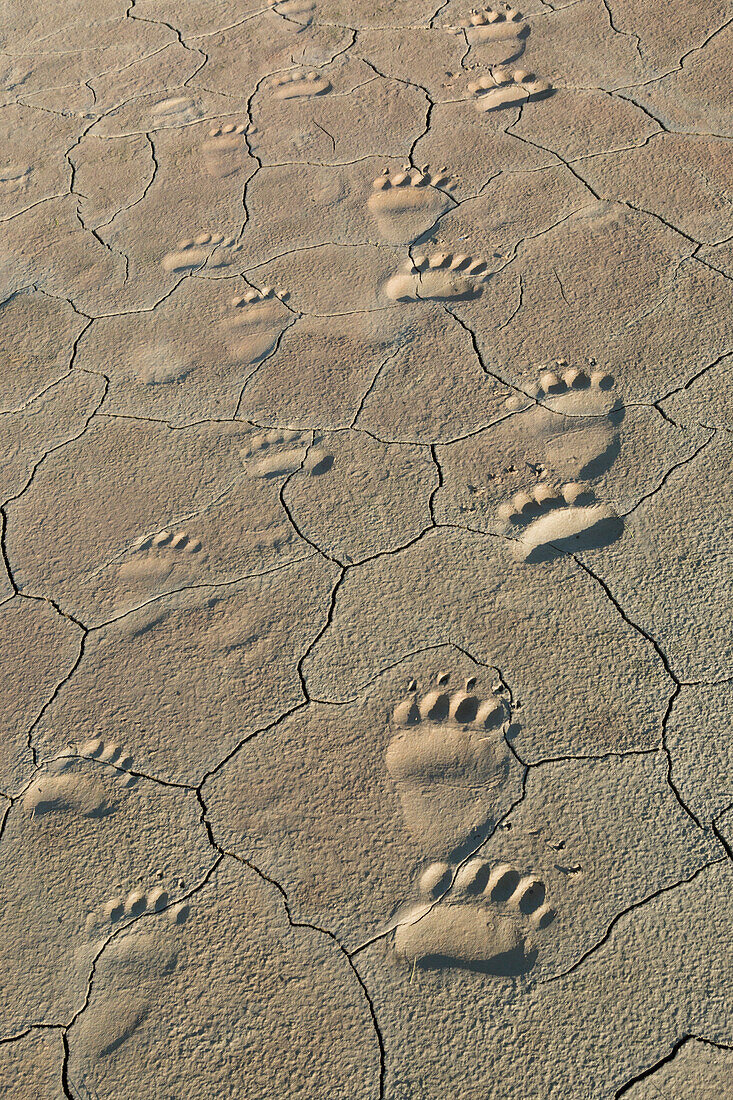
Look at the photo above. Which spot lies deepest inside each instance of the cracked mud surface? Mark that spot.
(365, 525)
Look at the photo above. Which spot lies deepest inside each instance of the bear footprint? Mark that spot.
(154, 557)
(488, 25)
(574, 421)
(254, 323)
(136, 902)
(406, 204)
(282, 451)
(300, 84)
(61, 790)
(128, 972)
(225, 150)
(552, 520)
(295, 11)
(448, 759)
(175, 540)
(441, 275)
(491, 920)
(178, 111)
(191, 254)
(502, 88)
(571, 390)
(14, 178)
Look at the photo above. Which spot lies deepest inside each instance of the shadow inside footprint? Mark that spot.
(451, 766)
(321, 465)
(602, 463)
(67, 794)
(118, 1024)
(507, 964)
(478, 834)
(602, 533)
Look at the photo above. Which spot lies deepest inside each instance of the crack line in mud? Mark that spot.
(668, 473)
(722, 840)
(58, 446)
(681, 63)
(667, 668)
(630, 909)
(676, 1047)
(619, 201)
(365, 396)
(624, 34)
(313, 927)
(119, 931)
(692, 379)
(438, 486)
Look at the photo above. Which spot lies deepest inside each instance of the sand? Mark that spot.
(366, 526)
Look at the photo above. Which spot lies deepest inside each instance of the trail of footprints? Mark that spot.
(404, 204)
(448, 757)
(271, 454)
(63, 790)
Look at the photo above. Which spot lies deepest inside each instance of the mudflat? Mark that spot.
(365, 590)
